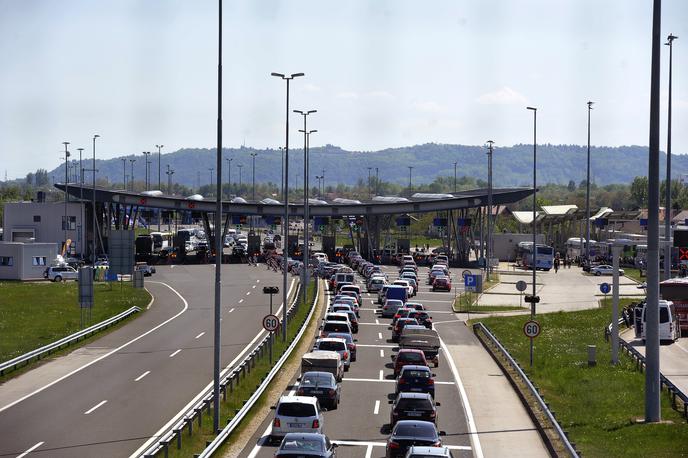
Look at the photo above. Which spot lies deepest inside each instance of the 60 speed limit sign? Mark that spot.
(531, 329)
(270, 323)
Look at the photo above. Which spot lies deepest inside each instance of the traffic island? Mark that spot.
(596, 406)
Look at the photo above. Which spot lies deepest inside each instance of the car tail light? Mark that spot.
(351, 346)
(437, 444)
(393, 444)
(332, 392)
(401, 381)
(316, 424)
(300, 392)
(276, 423)
(433, 414)
(431, 381)
(346, 355)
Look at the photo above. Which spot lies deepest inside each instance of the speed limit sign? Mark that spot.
(531, 329)
(270, 323)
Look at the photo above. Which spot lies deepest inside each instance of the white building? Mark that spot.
(25, 261)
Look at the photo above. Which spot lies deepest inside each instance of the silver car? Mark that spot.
(61, 273)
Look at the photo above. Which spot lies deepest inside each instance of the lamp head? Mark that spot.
(295, 75)
(590, 104)
(670, 38)
(312, 131)
(531, 108)
(277, 74)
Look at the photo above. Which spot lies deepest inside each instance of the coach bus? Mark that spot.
(544, 256)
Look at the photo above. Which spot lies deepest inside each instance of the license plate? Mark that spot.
(415, 389)
(414, 414)
(296, 425)
(317, 391)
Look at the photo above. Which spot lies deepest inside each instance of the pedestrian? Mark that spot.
(556, 266)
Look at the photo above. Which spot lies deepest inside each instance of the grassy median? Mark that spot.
(235, 400)
(599, 406)
(37, 313)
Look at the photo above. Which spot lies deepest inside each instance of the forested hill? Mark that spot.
(512, 166)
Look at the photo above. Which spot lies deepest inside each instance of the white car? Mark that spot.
(335, 344)
(296, 414)
(61, 273)
(604, 270)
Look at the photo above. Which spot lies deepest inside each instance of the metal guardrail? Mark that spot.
(65, 341)
(234, 422)
(570, 449)
(674, 391)
(185, 419)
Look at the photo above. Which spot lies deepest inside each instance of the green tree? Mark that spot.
(639, 188)
(572, 186)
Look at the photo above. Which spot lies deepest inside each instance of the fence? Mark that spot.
(65, 341)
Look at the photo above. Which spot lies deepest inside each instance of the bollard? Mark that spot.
(592, 357)
(190, 426)
(178, 432)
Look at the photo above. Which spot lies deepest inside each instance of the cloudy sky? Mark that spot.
(380, 73)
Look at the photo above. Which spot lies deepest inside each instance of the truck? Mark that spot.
(676, 291)
(144, 248)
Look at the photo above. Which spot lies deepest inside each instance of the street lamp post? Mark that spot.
(240, 167)
(377, 181)
(410, 167)
(667, 191)
(159, 160)
(93, 202)
(533, 265)
(229, 176)
(169, 174)
(285, 253)
(253, 193)
(124, 173)
(211, 176)
(587, 194)
(131, 175)
(281, 150)
(455, 164)
(65, 223)
(306, 216)
(370, 190)
(323, 180)
(489, 207)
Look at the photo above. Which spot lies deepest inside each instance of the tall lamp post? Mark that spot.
(455, 164)
(489, 207)
(377, 181)
(211, 169)
(229, 176)
(281, 150)
(169, 174)
(65, 223)
(148, 163)
(653, 411)
(285, 254)
(306, 216)
(667, 191)
(159, 161)
(587, 194)
(124, 173)
(81, 175)
(370, 189)
(532, 304)
(93, 202)
(410, 167)
(131, 176)
(253, 171)
(240, 168)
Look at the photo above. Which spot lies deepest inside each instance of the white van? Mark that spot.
(669, 329)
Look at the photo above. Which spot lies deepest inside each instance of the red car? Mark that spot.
(443, 283)
(409, 356)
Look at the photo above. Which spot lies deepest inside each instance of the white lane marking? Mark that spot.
(379, 335)
(382, 353)
(241, 300)
(448, 321)
(253, 286)
(383, 444)
(257, 281)
(231, 310)
(369, 451)
(199, 335)
(475, 439)
(374, 324)
(141, 376)
(224, 372)
(347, 379)
(376, 346)
(376, 409)
(79, 369)
(175, 353)
(382, 375)
(95, 407)
(377, 321)
(248, 293)
(30, 450)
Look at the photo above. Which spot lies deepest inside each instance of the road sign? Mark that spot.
(270, 323)
(532, 299)
(605, 288)
(531, 329)
(473, 283)
(521, 285)
(464, 273)
(270, 289)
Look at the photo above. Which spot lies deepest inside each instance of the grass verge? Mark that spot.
(240, 394)
(598, 405)
(35, 314)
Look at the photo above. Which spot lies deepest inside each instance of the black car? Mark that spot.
(407, 433)
(413, 406)
(416, 379)
(321, 385)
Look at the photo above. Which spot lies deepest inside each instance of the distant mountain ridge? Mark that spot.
(512, 166)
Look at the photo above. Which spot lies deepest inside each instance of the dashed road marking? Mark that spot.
(175, 353)
(95, 407)
(198, 336)
(382, 353)
(31, 450)
(379, 335)
(382, 374)
(141, 376)
(376, 409)
(241, 300)
(231, 310)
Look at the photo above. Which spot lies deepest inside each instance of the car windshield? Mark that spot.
(336, 318)
(415, 374)
(296, 409)
(340, 335)
(336, 326)
(302, 444)
(332, 346)
(411, 356)
(414, 404)
(316, 379)
(416, 429)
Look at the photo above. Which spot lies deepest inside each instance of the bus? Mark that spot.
(544, 256)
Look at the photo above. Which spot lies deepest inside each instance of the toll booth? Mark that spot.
(403, 245)
(328, 247)
(254, 245)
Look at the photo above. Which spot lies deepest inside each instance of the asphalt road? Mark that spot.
(361, 423)
(156, 365)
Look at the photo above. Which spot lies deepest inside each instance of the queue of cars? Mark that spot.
(298, 420)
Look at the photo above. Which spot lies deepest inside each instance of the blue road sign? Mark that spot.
(470, 282)
(605, 288)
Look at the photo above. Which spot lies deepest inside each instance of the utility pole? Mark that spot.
(169, 174)
(131, 176)
(66, 195)
(124, 173)
(587, 194)
(370, 189)
(159, 161)
(667, 191)
(410, 169)
(489, 207)
(455, 164)
(534, 264)
(93, 202)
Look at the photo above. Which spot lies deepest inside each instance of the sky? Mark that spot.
(380, 73)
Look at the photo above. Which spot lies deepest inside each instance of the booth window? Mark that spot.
(6, 261)
(38, 260)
